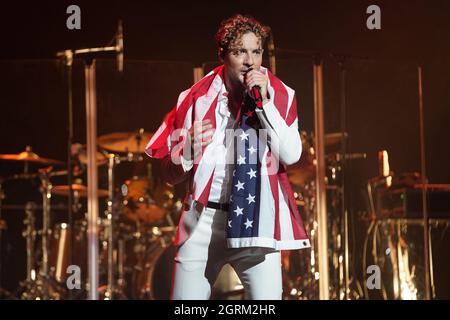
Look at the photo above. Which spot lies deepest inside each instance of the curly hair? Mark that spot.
(232, 29)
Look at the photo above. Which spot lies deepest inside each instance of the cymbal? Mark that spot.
(78, 189)
(125, 141)
(100, 160)
(29, 156)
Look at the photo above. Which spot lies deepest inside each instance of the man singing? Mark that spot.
(230, 137)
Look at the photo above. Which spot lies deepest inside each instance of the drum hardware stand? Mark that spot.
(305, 286)
(113, 289)
(120, 271)
(311, 210)
(130, 157)
(36, 284)
(26, 165)
(110, 213)
(40, 283)
(30, 234)
(169, 219)
(348, 293)
(46, 188)
(3, 292)
(139, 138)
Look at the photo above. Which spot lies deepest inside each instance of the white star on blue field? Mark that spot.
(244, 202)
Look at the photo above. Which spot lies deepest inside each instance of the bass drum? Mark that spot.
(153, 280)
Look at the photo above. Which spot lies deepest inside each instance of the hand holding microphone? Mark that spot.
(256, 83)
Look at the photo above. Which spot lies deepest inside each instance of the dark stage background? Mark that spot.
(165, 40)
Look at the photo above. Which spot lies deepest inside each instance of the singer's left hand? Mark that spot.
(257, 78)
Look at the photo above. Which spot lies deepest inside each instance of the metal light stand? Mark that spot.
(92, 187)
(68, 61)
(322, 248)
(344, 210)
(426, 227)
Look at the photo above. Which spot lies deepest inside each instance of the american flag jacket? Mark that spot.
(276, 222)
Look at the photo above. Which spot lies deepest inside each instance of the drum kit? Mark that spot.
(136, 228)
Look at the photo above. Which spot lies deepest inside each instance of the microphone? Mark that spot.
(256, 91)
(119, 46)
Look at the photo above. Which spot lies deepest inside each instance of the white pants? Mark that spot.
(201, 257)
